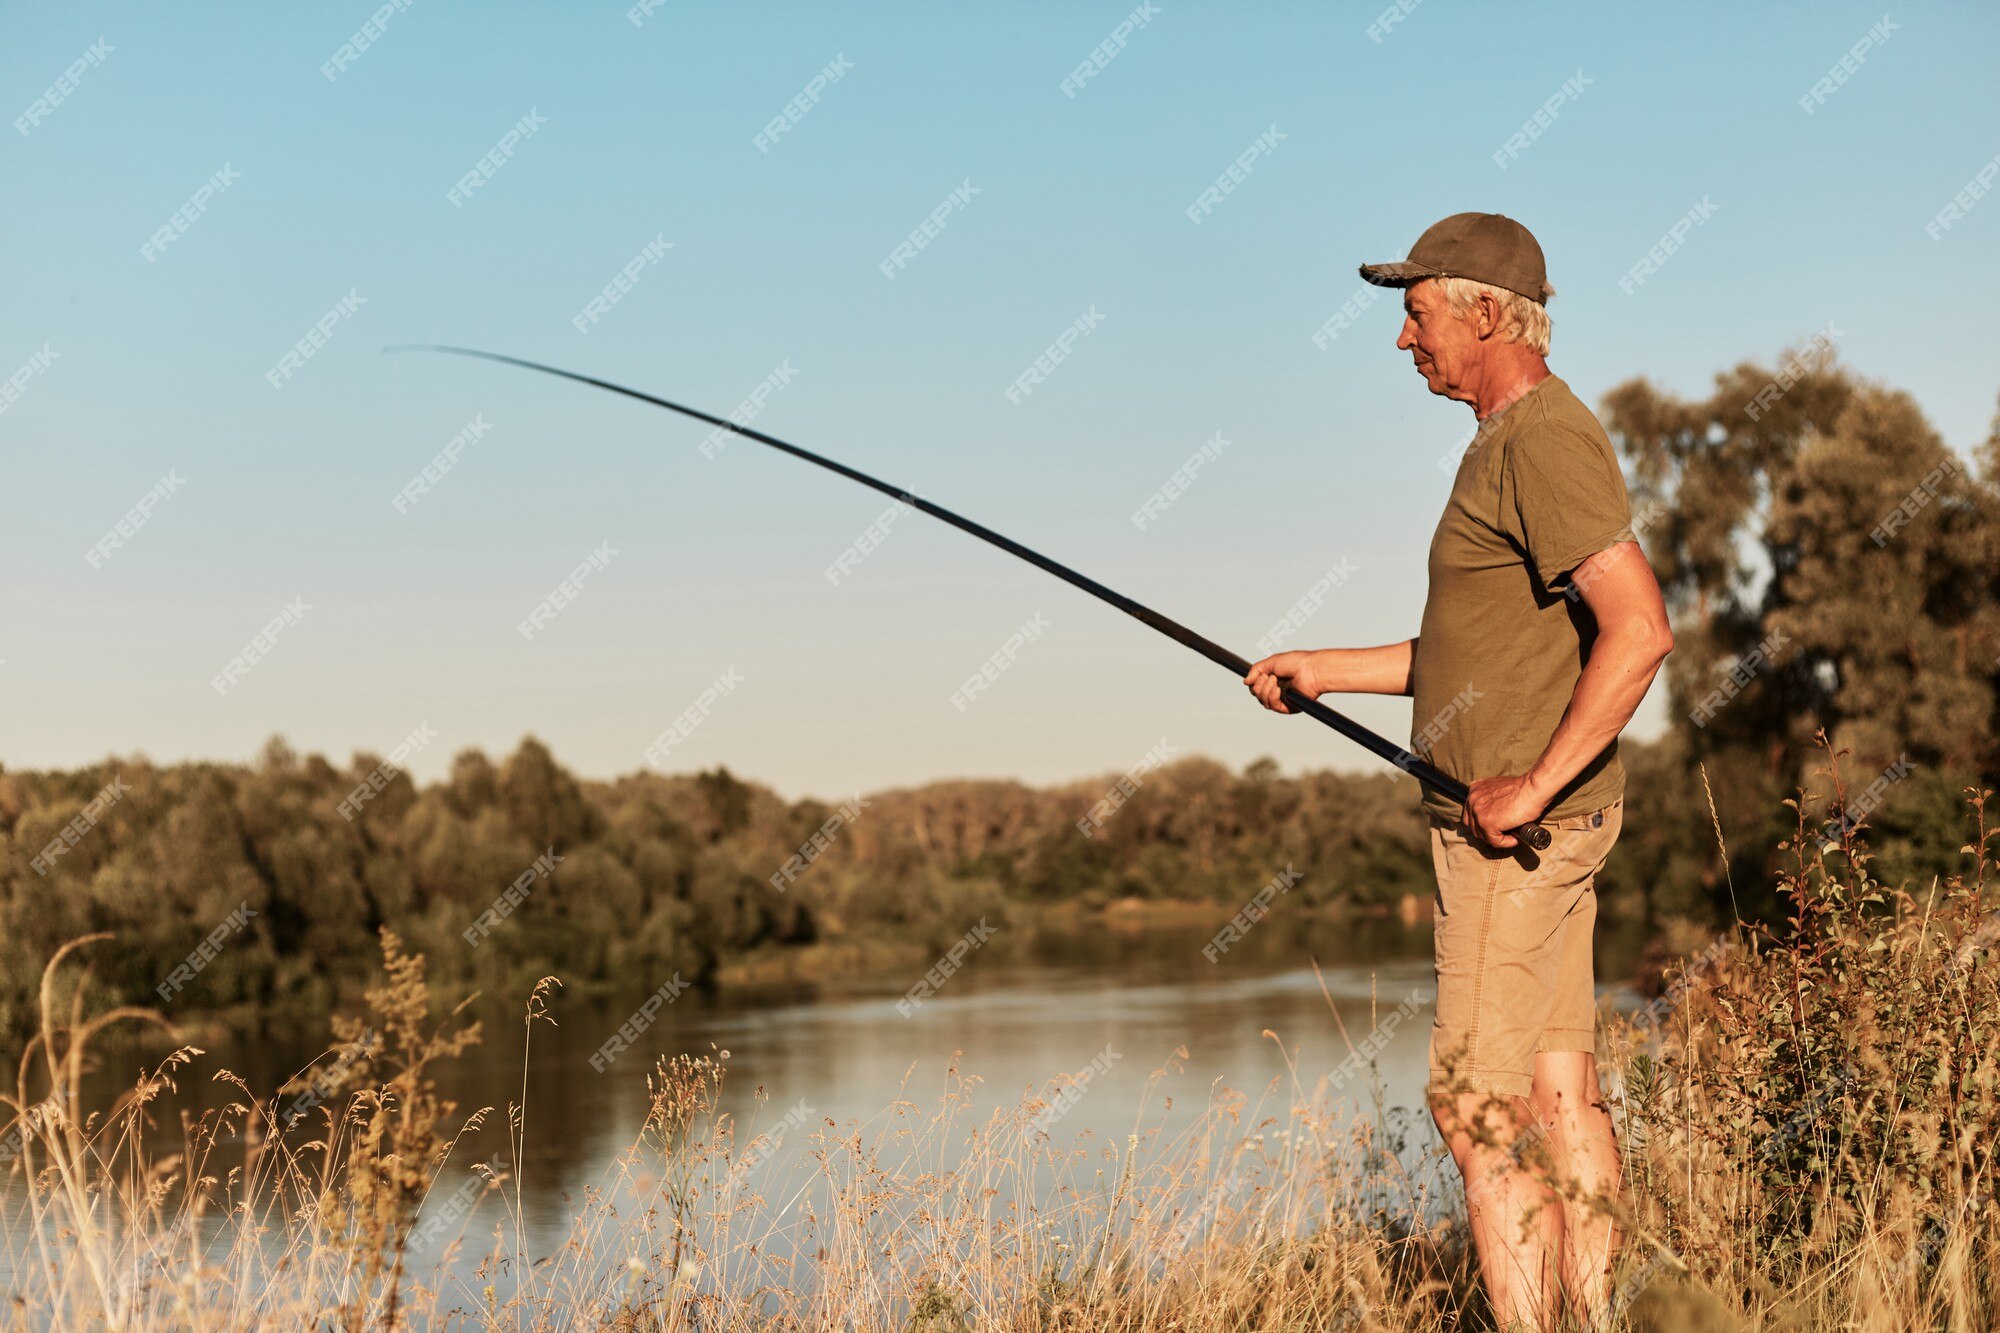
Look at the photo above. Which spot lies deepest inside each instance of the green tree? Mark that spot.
(1829, 563)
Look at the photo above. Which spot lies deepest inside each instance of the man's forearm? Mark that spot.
(1383, 670)
(1615, 678)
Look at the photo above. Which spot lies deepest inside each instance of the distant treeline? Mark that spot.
(236, 885)
(246, 889)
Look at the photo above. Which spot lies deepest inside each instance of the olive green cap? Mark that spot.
(1485, 247)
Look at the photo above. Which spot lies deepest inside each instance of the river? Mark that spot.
(1120, 1027)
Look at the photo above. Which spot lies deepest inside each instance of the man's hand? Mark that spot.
(1495, 805)
(1268, 678)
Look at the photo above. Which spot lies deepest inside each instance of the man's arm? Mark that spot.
(1384, 670)
(1633, 638)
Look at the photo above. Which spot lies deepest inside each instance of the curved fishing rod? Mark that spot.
(1439, 781)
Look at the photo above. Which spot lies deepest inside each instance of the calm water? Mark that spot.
(1023, 1009)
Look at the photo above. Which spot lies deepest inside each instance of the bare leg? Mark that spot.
(1584, 1149)
(1517, 1220)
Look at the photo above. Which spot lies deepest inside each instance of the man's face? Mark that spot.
(1444, 345)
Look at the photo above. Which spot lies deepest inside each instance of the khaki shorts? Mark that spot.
(1514, 973)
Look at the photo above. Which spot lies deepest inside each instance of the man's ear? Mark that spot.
(1486, 317)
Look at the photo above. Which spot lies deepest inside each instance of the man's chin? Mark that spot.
(1436, 384)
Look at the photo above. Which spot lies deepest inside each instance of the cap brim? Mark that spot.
(1399, 274)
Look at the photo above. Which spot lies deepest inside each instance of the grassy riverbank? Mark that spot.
(1809, 1117)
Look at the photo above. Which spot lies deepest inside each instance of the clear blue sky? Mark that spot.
(342, 186)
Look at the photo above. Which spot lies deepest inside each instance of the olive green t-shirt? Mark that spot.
(1537, 493)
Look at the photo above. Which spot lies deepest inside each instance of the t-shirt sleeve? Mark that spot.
(1564, 498)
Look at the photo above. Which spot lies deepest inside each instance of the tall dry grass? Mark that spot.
(1808, 1121)
(1811, 1134)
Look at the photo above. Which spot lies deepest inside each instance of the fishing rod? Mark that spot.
(1439, 781)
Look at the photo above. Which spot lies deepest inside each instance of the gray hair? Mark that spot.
(1521, 320)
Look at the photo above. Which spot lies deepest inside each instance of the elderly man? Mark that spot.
(1541, 632)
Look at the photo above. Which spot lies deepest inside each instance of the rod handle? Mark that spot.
(1534, 835)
